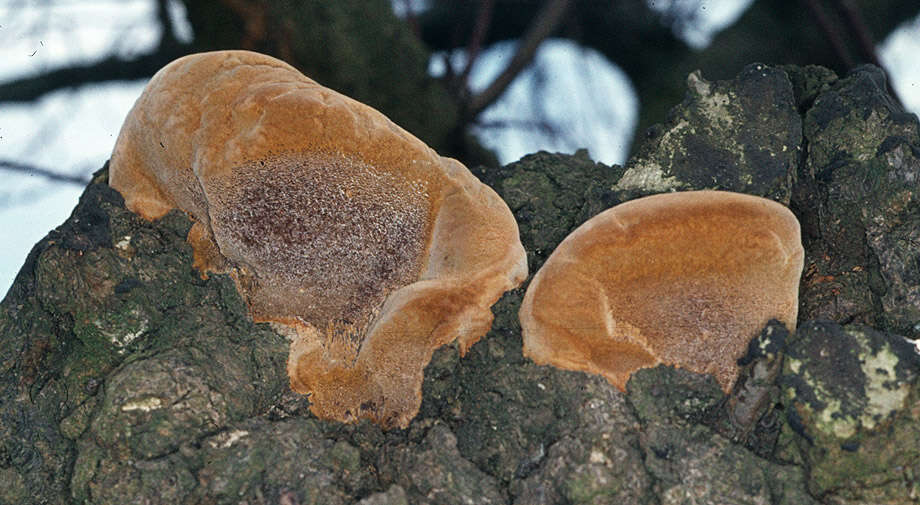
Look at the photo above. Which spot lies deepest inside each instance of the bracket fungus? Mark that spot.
(350, 235)
(684, 279)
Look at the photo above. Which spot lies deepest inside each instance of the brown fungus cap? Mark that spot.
(349, 234)
(684, 279)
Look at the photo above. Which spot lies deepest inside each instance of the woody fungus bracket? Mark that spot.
(352, 237)
(684, 279)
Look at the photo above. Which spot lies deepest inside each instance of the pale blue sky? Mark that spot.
(73, 131)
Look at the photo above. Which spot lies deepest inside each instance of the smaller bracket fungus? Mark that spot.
(350, 235)
(684, 279)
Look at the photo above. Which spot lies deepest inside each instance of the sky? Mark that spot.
(73, 131)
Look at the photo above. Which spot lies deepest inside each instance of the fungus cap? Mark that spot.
(347, 233)
(684, 279)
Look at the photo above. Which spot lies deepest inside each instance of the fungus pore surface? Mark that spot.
(348, 234)
(685, 279)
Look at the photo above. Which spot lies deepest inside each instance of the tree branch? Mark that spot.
(860, 29)
(44, 172)
(253, 13)
(113, 68)
(168, 36)
(830, 32)
(541, 125)
(412, 19)
(543, 25)
(483, 20)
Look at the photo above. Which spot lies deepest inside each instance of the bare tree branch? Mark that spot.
(14, 166)
(168, 36)
(253, 13)
(412, 18)
(830, 32)
(860, 29)
(483, 20)
(542, 125)
(543, 25)
(113, 68)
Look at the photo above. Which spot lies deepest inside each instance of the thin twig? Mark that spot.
(544, 24)
(253, 14)
(449, 75)
(483, 20)
(860, 29)
(412, 19)
(168, 37)
(541, 125)
(830, 33)
(14, 166)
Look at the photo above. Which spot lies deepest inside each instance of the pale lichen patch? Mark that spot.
(885, 395)
(794, 364)
(713, 105)
(228, 438)
(598, 457)
(715, 108)
(648, 175)
(120, 337)
(127, 338)
(855, 395)
(832, 420)
(696, 83)
(143, 405)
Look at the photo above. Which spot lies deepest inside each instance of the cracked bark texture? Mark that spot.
(127, 378)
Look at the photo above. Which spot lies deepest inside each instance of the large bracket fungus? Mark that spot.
(346, 232)
(684, 279)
